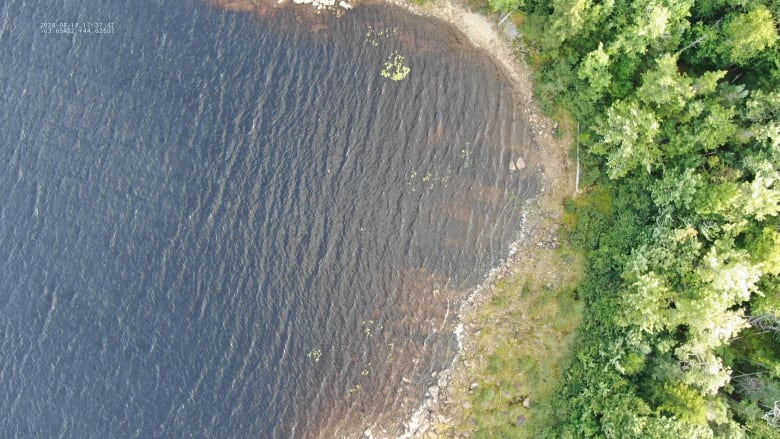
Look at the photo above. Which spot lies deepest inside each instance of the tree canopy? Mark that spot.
(679, 105)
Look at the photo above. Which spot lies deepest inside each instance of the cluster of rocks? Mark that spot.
(434, 423)
(324, 4)
(551, 244)
(538, 124)
(548, 238)
(517, 165)
(432, 416)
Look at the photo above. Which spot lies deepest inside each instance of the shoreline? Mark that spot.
(532, 259)
(435, 417)
(481, 31)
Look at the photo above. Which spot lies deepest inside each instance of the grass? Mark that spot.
(526, 329)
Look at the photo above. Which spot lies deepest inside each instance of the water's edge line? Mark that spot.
(416, 421)
(484, 34)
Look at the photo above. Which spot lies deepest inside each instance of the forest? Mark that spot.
(678, 104)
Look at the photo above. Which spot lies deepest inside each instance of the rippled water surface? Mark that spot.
(222, 224)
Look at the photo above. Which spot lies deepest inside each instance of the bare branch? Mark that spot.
(772, 417)
(765, 321)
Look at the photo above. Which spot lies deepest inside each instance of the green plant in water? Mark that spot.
(315, 355)
(395, 68)
(373, 35)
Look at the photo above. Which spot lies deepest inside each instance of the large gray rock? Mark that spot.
(509, 29)
(434, 392)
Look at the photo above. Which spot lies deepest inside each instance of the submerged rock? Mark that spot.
(517, 165)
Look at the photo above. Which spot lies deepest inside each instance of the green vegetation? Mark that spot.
(395, 68)
(678, 103)
(524, 336)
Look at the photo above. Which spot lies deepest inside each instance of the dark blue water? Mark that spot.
(220, 224)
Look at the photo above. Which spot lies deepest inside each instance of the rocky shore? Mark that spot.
(447, 400)
(324, 4)
(447, 394)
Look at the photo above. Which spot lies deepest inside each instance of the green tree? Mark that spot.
(506, 5)
(682, 120)
(572, 17)
(748, 34)
(595, 69)
(657, 25)
(628, 138)
(665, 88)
